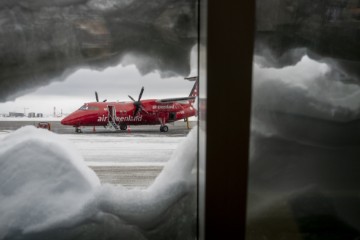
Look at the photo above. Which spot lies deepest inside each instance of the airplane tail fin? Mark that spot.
(194, 90)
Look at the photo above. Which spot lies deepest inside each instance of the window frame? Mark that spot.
(225, 64)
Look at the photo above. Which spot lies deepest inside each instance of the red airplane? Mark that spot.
(119, 115)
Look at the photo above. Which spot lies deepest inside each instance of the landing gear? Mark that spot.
(78, 130)
(123, 126)
(164, 128)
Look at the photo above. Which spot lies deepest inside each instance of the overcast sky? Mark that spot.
(113, 83)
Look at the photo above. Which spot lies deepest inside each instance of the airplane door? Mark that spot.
(172, 116)
(111, 113)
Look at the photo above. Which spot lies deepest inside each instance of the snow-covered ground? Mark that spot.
(133, 150)
(112, 150)
(132, 159)
(4, 133)
(37, 119)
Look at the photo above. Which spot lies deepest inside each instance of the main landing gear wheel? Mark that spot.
(78, 130)
(164, 128)
(123, 127)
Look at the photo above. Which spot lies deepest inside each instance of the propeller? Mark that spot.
(137, 104)
(97, 97)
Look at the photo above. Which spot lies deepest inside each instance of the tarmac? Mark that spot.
(127, 176)
(175, 129)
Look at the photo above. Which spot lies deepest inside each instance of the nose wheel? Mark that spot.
(123, 126)
(164, 128)
(78, 130)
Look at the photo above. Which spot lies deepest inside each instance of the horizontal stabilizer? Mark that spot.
(192, 78)
(176, 99)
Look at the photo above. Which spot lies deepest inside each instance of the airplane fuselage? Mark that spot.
(122, 113)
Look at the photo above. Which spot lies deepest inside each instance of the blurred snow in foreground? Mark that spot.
(46, 187)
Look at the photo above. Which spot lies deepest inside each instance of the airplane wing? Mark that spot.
(176, 99)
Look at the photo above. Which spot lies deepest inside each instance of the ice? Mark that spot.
(45, 186)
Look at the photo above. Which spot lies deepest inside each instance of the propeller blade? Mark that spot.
(131, 98)
(143, 109)
(141, 93)
(96, 96)
(136, 111)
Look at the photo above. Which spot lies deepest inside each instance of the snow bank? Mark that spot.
(309, 88)
(43, 181)
(290, 101)
(162, 200)
(304, 151)
(45, 187)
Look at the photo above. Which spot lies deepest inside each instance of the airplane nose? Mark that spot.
(65, 121)
(73, 119)
(69, 120)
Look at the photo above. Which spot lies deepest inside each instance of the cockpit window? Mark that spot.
(84, 107)
(87, 107)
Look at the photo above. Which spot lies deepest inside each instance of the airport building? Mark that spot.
(15, 114)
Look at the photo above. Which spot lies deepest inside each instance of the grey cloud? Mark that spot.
(115, 84)
(43, 41)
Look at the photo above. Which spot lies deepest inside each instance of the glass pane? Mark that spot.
(124, 164)
(304, 181)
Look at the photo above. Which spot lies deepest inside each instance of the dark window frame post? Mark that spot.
(228, 60)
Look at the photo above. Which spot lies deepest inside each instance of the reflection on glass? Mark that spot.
(304, 163)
